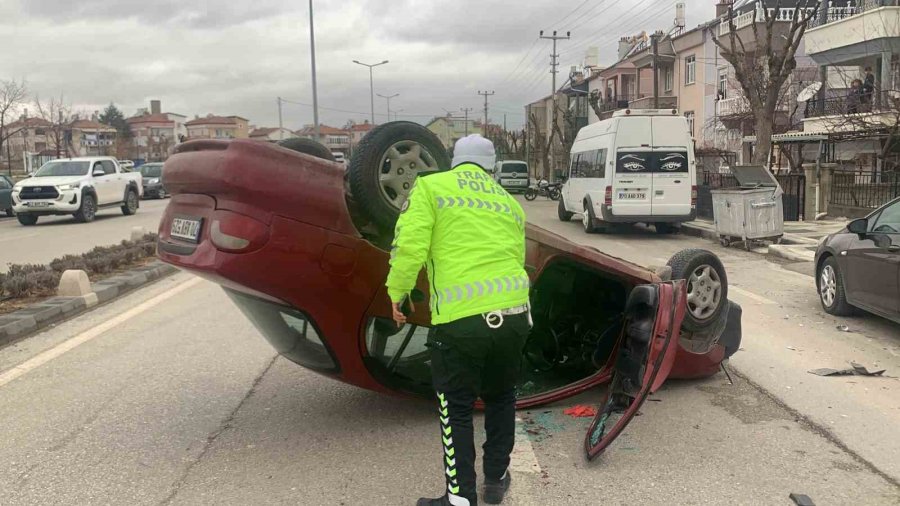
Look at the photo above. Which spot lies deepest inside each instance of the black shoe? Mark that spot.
(495, 490)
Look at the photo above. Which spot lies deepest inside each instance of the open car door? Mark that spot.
(643, 360)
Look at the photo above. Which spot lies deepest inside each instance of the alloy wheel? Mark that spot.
(828, 286)
(400, 166)
(704, 292)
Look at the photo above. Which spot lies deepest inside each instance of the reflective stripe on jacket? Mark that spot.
(470, 234)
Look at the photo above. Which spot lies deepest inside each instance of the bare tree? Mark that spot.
(542, 141)
(59, 115)
(763, 65)
(12, 97)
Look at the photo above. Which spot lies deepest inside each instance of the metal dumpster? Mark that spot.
(752, 211)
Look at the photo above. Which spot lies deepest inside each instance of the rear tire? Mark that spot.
(27, 220)
(830, 283)
(530, 194)
(562, 213)
(385, 167)
(588, 220)
(131, 203)
(707, 287)
(88, 209)
(553, 194)
(308, 147)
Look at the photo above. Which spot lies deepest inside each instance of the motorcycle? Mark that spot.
(544, 188)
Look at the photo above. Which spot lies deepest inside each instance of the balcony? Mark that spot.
(665, 102)
(739, 107)
(848, 114)
(852, 34)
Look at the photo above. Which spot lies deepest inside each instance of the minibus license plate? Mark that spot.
(632, 196)
(187, 229)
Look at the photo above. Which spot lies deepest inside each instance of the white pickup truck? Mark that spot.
(76, 186)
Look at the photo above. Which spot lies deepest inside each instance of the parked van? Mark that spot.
(512, 175)
(636, 167)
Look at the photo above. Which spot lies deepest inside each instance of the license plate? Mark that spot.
(38, 204)
(633, 196)
(516, 183)
(187, 229)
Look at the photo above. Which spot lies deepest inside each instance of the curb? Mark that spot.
(21, 323)
(791, 253)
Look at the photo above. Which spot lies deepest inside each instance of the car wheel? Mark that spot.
(88, 209)
(530, 194)
(386, 164)
(664, 228)
(131, 203)
(587, 219)
(308, 147)
(707, 287)
(831, 289)
(561, 211)
(27, 219)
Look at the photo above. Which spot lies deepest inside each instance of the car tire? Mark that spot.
(397, 152)
(88, 209)
(308, 147)
(132, 202)
(664, 228)
(588, 220)
(27, 220)
(830, 284)
(563, 214)
(707, 287)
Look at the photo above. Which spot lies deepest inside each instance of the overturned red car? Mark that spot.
(301, 246)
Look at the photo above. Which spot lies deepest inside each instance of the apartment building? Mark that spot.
(450, 129)
(271, 134)
(155, 133)
(218, 127)
(335, 139)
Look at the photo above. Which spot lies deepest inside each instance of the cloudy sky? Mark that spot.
(237, 56)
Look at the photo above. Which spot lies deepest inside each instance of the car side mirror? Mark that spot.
(859, 227)
(98, 173)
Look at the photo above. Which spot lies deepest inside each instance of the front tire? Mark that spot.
(27, 220)
(561, 211)
(131, 203)
(707, 287)
(554, 194)
(588, 220)
(830, 281)
(307, 147)
(530, 194)
(88, 209)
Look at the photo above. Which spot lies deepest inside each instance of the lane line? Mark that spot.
(752, 296)
(72, 343)
(522, 459)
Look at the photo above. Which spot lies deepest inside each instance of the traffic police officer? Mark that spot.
(470, 234)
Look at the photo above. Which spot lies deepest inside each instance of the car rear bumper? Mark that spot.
(607, 216)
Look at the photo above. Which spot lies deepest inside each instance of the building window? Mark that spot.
(723, 83)
(40, 131)
(690, 120)
(690, 70)
(669, 78)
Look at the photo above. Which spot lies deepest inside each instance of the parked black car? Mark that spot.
(6, 185)
(859, 267)
(153, 180)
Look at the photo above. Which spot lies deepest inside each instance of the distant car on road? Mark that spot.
(76, 186)
(339, 158)
(512, 175)
(859, 267)
(152, 175)
(126, 165)
(6, 205)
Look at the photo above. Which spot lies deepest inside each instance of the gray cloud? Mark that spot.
(236, 57)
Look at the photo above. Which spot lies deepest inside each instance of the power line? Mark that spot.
(486, 94)
(573, 11)
(621, 20)
(360, 113)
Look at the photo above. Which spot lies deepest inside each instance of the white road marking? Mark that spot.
(522, 459)
(752, 296)
(70, 344)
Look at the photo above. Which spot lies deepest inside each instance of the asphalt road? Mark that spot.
(169, 396)
(55, 236)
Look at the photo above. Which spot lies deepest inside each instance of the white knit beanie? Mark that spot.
(475, 149)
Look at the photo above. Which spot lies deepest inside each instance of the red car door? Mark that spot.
(644, 360)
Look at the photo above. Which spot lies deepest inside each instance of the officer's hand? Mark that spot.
(398, 315)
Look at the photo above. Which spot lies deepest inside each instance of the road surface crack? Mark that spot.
(212, 437)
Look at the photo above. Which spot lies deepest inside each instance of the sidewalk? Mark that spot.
(798, 244)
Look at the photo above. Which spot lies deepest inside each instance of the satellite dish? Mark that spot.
(809, 92)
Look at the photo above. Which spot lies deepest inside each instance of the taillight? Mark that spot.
(607, 199)
(694, 196)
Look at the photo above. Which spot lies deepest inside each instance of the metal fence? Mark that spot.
(866, 189)
(794, 198)
(860, 103)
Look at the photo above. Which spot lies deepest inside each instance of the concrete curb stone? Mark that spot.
(792, 253)
(19, 324)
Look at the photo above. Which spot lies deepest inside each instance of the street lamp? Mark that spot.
(312, 51)
(371, 85)
(388, 98)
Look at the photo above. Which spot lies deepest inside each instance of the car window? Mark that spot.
(108, 167)
(573, 167)
(888, 222)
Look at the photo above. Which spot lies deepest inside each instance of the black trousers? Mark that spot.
(471, 360)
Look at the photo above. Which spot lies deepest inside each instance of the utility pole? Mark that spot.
(654, 40)
(486, 94)
(280, 121)
(554, 64)
(312, 49)
(466, 110)
(371, 85)
(388, 98)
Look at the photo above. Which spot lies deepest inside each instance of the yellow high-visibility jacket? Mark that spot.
(470, 234)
